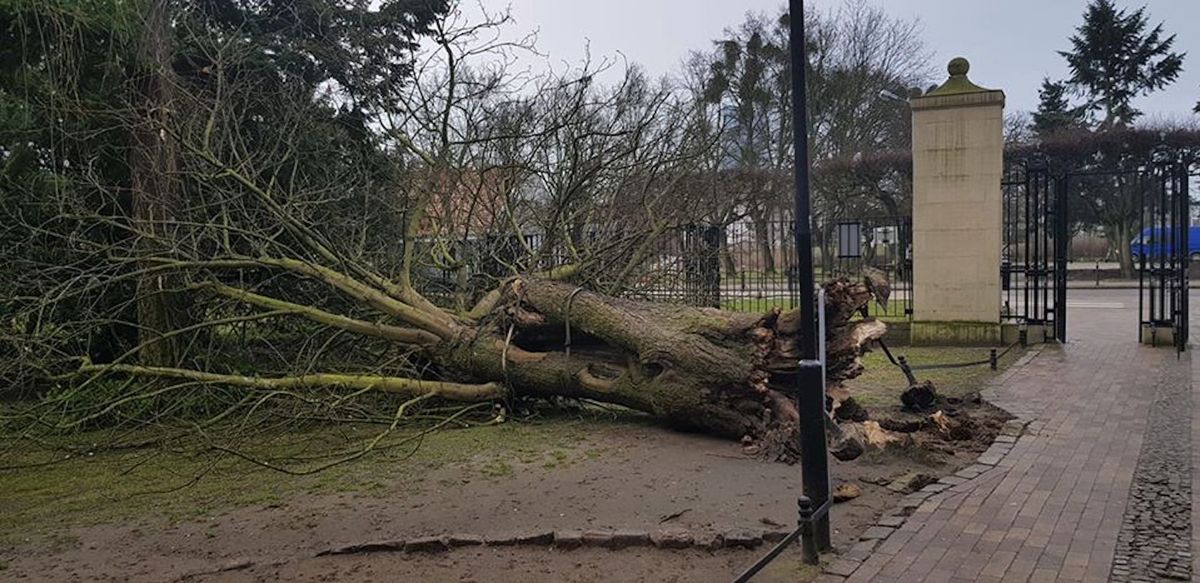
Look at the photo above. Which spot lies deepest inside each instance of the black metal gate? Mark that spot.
(1033, 267)
(1161, 253)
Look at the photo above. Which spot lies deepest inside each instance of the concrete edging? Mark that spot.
(670, 538)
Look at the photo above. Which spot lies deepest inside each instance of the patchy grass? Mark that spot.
(496, 469)
(757, 305)
(790, 567)
(882, 383)
(764, 305)
(41, 501)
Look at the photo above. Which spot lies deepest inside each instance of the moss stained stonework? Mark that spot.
(956, 334)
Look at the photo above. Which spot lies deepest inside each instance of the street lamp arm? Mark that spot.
(886, 95)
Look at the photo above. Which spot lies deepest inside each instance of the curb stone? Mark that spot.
(463, 540)
(428, 544)
(670, 538)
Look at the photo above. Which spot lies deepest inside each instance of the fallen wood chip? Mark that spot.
(878, 436)
(941, 421)
(954, 429)
(846, 492)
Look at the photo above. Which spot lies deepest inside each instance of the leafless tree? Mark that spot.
(475, 254)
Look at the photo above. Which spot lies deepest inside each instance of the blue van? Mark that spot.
(1156, 241)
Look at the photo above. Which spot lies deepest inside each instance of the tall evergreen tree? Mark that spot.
(1116, 57)
(1055, 112)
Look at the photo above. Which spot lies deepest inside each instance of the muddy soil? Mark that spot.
(628, 476)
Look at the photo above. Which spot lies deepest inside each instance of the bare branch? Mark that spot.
(416, 387)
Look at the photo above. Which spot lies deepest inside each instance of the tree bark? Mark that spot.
(1124, 237)
(703, 369)
(152, 164)
(762, 239)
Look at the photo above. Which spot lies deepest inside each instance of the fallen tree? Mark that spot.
(724, 373)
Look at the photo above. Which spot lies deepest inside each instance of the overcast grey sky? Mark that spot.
(1011, 43)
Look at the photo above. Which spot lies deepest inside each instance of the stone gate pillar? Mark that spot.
(958, 162)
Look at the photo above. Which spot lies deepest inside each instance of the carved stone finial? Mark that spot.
(958, 83)
(959, 67)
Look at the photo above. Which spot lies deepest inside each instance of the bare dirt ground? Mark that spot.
(602, 475)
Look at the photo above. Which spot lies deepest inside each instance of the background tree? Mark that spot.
(1115, 58)
(1055, 113)
(855, 51)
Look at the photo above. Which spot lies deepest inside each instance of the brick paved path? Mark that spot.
(1056, 507)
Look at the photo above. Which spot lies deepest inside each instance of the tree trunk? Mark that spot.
(723, 373)
(730, 267)
(152, 168)
(762, 239)
(1122, 247)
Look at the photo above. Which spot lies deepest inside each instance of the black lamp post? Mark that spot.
(810, 388)
(810, 394)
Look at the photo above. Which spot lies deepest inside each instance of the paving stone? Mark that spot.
(597, 538)
(998, 450)
(969, 472)
(843, 567)
(673, 538)
(568, 539)
(428, 544)
(710, 541)
(829, 578)
(504, 540)
(906, 506)
(1013, 428)
(862, 550)
(463, 540)
(536, 538)
(743, 538)
(876, 533)
(990, 459)
(623, 539)
(891, 521)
